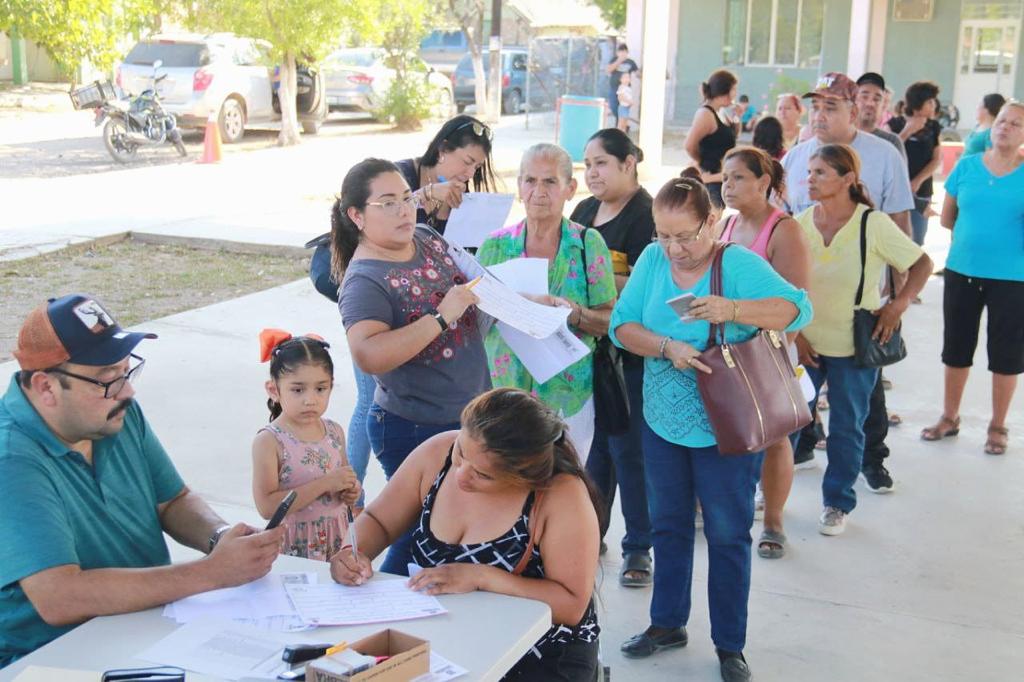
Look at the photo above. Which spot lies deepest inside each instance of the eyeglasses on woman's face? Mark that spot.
(680, 240)
(395, 207)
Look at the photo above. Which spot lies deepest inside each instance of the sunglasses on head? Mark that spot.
(479, 129)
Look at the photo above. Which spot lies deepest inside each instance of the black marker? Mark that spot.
(282, 509)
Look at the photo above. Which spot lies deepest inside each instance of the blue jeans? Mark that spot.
(919, 226)
(393, 438)
(358, 445)
(620, 459)
(676, 477)
(849, 398)
(613, 103)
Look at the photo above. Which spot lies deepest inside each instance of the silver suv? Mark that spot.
(221, 74)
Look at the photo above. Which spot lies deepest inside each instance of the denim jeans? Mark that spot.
(613, 104)
(918, 225)
(393, 438)
(849, 399)
(620, 459)
(358, 445)
(876, 428)
(676, 477)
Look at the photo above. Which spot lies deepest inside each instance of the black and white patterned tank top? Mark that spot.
(503, 552)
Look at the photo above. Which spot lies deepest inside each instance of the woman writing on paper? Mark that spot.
(458, 157)
(580, 277)
(503, 506)
(408, 315)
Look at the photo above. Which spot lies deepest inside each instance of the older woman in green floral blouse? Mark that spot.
(580, 276)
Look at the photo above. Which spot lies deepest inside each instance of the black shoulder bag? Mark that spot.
(870, 352)
(611, 399)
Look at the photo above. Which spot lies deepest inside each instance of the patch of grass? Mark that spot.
(137, 282)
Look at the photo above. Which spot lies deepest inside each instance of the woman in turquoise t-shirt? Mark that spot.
(580, 277)
(682, 462)
(985, 270)
(980, 139)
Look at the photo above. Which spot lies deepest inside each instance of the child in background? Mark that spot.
(746, 114)
(300, 450)
(625, 95)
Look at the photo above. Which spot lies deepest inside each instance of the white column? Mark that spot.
(860, 34)
(655, 66)
(876, 42)
(635, 26)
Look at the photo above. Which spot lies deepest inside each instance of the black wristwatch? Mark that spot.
(217, 533)
(440, 320)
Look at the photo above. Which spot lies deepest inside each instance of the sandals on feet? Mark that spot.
(944, 429)
(998, 438)
(771, 544)
(894, 419)
(636, 571)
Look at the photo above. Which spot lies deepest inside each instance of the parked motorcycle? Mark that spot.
(131, 122)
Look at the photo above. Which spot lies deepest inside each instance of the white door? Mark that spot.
(987, 63)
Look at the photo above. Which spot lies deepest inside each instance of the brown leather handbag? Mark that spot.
(752, 396)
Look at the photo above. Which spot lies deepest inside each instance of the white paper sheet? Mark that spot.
(544, 358)
(479, 214)
(222, 649)
(263, 603)
(441, 670)
(377, 601)
(524, 275)
(502, 303)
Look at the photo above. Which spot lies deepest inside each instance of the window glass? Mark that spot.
(812, 17)
(734, 45)
(787, 17)
(760, 32)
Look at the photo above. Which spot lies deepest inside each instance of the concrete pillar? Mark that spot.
(655, 66)
(860, 36)
(19, 65)
(876, 49)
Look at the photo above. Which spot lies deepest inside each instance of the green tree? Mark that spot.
(76, 31)
(297, 30)
(613, 11)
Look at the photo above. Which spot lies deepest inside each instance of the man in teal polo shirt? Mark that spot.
(87, 490)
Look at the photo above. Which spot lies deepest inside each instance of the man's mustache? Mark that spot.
(121, 407)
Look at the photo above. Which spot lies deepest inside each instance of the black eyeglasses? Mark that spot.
(479, 129)
(111, 388)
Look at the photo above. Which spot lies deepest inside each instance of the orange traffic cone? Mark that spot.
(211, 141)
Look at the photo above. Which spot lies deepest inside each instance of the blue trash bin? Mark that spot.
(578, 119)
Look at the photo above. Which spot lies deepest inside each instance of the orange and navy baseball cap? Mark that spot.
(74, 328)
(834, 85)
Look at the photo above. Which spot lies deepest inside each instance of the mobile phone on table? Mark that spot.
(282, 509)
(681, 305)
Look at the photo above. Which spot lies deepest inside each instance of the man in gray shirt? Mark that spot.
(833, 118)
(870, 100)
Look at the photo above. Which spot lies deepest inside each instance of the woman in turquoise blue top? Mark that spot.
(985, 269)
(682, 462)
(580, 277)
(980, 139)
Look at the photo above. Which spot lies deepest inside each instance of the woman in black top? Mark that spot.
(920, 133)
(502, 506)
(620, 209)
(710, 137)
(459, 155)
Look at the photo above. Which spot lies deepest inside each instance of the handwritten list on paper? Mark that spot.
(377, 601)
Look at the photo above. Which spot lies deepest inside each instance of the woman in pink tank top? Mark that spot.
(750, 179)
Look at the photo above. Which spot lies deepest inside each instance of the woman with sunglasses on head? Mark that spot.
(620, 209)
(752, 179)
(409, 317)
(458, 158)
(682, 461)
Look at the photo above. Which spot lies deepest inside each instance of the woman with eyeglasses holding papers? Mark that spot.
(682, 462)
(408, 316)
(457, 158)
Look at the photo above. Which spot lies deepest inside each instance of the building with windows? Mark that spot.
(968, 47)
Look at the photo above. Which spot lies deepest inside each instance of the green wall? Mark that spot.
(905, 61)
(701, 36)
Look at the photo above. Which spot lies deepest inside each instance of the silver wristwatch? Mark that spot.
(215, 536)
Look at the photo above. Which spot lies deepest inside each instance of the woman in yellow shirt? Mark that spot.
(826, 348)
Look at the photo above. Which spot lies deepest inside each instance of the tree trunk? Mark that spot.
(480, 86)
(286, 94)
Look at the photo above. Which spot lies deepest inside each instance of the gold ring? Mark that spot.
(689, 361)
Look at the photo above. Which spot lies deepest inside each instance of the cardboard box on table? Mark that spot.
(409, 658)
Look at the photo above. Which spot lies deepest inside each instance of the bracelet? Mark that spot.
(735, 309)
(661, 350)
(428, 192)
(579, 316)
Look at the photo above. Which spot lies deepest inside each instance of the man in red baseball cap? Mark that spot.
(87, 490)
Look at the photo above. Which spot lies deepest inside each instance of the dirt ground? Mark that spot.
(136, 281)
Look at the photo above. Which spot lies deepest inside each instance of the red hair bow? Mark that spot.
(270, 339)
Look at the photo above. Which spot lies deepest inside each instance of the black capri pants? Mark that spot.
(963, 300)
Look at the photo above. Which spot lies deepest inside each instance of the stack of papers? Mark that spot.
(378, 601)
(479, 214)
(263, 604)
